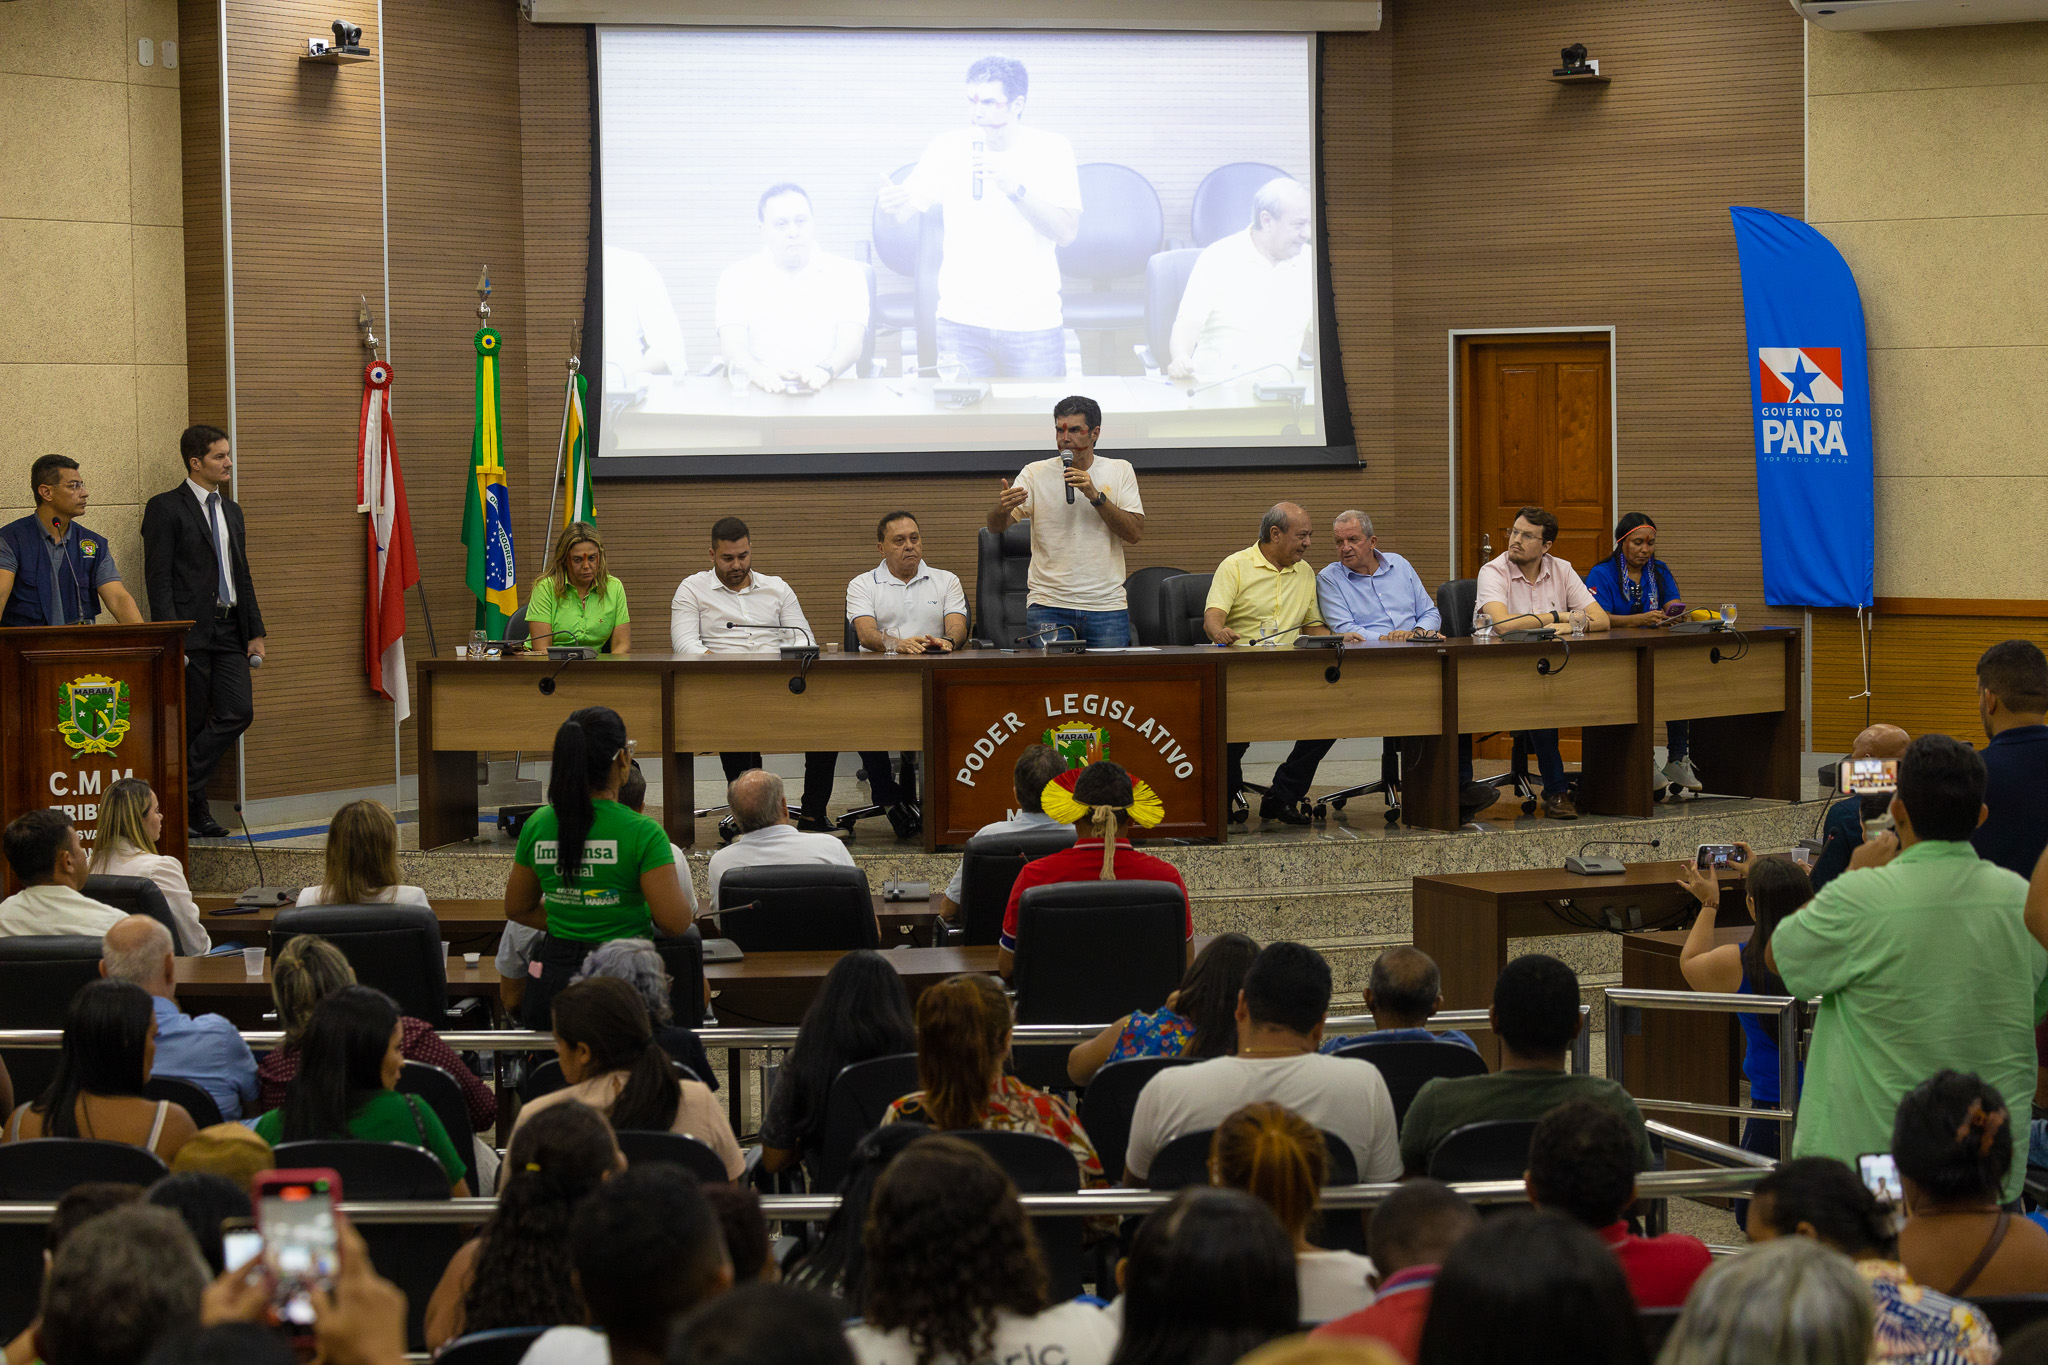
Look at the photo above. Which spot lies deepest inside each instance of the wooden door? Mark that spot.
(1535, 430)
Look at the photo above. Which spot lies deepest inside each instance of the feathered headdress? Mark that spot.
(1059, 802)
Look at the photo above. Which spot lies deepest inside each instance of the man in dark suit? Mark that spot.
(196, 563)
(2012, 698)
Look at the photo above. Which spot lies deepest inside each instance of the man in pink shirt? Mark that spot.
(1528, 588)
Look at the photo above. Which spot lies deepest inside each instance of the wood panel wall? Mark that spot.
(1923, 672)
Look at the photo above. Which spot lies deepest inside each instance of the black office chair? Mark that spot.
(1497, 1149)
(1186, 596)
(1144, 594)
(859, 1095)
(642, 1147)
(1185, 1161)
(195, 1101)
(43, 1170)
(396, 948)
(1088, 952)
(798, 907)
(1002, 577)
(1223, 201)
(135, 896)
(515, 627)
(1110, 1100)
(1457, 600)
(497, 1346)
(911, 249)
(1166, 280)
(441, 1093)
(989, 865)
(1037, 1164)
(39, 974)
(544, 1079)
(1656, 1324)
(1122, 224)
(1408, 1066)
(683, 956)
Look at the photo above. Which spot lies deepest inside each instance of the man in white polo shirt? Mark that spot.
(730, 609)
(1251, 296)
(767, 838)
(903, 606)
(791, 318)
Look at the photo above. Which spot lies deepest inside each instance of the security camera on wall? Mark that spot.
(348, 38)
(1576, 62)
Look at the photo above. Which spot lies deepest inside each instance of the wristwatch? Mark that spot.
(1098, 500)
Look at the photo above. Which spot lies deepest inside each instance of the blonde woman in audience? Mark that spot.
(109, 1046)
(362, 860)
(130, 823)
(1278, 1157)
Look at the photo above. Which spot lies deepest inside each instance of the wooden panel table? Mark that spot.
(221, 985)
(1694, 1057)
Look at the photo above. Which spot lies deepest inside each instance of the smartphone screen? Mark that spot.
(1860, 775)
(1716, 855)
(1881, 1176)
(300, 1242)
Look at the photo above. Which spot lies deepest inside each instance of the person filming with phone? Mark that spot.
(1842, 831)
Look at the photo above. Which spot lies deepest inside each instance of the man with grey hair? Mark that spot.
(1266, 594)
(767, 837)
(1250, 299)
(207, 1050)
(1036, 766)
(1405, 988)
(1369, 593)
(119, 1284)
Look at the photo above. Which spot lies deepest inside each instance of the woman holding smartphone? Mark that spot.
(1635, 588)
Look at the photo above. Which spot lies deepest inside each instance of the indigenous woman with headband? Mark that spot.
(1101, 802)
(1635, 588)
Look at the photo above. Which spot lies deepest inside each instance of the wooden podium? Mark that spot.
(82, 707)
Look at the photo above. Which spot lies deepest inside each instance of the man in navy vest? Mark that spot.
(54, 572)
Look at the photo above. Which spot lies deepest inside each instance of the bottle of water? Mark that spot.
(1482, 629)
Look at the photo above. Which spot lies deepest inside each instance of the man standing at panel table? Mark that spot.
(1251, 296)
(1528, 588)
(792, 318)
(730, 609)
(1083, 508)
(1012, 198)
(904, 606)
(54, 572)
(1266, 593)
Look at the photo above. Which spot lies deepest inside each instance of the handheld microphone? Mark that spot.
(259, 896)
(980, 148)
(1067, 462)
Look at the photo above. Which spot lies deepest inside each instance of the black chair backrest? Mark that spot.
(1002, 571)
(134, 896)
(371, 1170)
(1110, 1100)
(1185, 1161)
(850, 642)
(1456, 600)
(1223, 201)
(544, 1079)
(1121, 224)
(1656, 1324)
(515, 626)
(1145, 597)
(396, 948)
(1497, 1149)
(2008, 1313)
(1186, 595)
(683, 956)
(41, 1169)
(799, 907)
(989, 865)
(1090, 951)
(39, 974)
(1408, 1066)
(1166, 280)
(859, 1095)
(498, 1346)
(200, 1105)
(1037, 1164)
(442, 1093)
(678, 1149)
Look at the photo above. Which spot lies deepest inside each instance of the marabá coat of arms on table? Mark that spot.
(92, 713)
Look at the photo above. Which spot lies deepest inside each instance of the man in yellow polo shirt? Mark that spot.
(1266, 594)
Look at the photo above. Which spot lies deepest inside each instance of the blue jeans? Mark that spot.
(986, 353)
(1101, 629)
(1542, 743)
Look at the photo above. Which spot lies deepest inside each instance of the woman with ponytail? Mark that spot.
(1103, 804)
(1277, 1156)
(605, 1042)
(517, 1272)
(588, 870)
(963, 1039)
(1953, 1139)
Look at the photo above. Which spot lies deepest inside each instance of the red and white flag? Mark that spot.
(393, 564)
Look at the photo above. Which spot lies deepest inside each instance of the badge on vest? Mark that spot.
(89, 548)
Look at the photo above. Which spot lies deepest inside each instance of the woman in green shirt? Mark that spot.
(588, 870)
(349, 1062)
(576, 602)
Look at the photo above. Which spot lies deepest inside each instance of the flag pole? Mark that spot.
(562, 441)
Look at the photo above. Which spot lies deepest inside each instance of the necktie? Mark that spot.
(221, 591)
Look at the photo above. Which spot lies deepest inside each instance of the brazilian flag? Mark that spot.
(487, 512)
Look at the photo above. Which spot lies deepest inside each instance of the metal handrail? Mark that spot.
(1786, 1008)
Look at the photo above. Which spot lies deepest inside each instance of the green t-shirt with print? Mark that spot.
(388, 1116)
(578, 618)
(604, 902)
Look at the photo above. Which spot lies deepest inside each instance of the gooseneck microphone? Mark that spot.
(1067, 462)
(805, 654)
(1051, 632)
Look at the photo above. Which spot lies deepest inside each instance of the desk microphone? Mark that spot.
(547, 684)
(805, 654)
(1336, 668)
(1602, 864)
(1052, 631)
(257, 897)
(1067, 462)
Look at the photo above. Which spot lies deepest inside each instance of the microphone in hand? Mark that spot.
(1067, 462)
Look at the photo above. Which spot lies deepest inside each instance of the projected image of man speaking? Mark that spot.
(1251, 295)
(1012, 197)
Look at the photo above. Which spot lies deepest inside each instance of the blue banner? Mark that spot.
(1809, 378)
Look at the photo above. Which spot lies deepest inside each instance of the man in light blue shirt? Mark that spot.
(1370, 593)
(1036, 766)
(1404, 990)
(205, 1050)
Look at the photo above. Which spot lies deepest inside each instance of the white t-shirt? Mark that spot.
(1077, 562)
(706, 617)
(385, 895)
(775, 846)
(569, 1346)
(792, 317)
(54, 908)
(1332, 1283)
(1341, 1095)
(998, 270)
(919, 607)
(1247, 309)
(641, 334)
(1070, 1333)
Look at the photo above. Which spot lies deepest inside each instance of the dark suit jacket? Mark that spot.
(181, 567)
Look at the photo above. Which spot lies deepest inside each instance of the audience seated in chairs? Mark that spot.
(646, 1249)
(861, 1011)
(1278, 1158)
(119, 1284)
(1197, 1020)
(1819, 1197)
(1280, 1012)
(963, 1039)
(1793, 1302)
(761, 1324)
(49, 860)
(516, 1272)
(605, 1042)
(1404, 990)
(1536, 1016)
(79, 1204)
(837, 1268)
(745, 1228)
(768, 837)
(1209, 1277)
(109, 1038)
(955, 1271)
(308, 971)
(204, 1049)
(1103, 804)
(362, 861)
(1036, 766)
(1536, 1289)
(124, 845)
(1411, 1233)
(1582, 1163)
(1953, 1140)
(637, 962)
(205, 1202)
(226, 1149)
(349, 1060)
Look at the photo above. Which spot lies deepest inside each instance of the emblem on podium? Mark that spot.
(92, 714)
